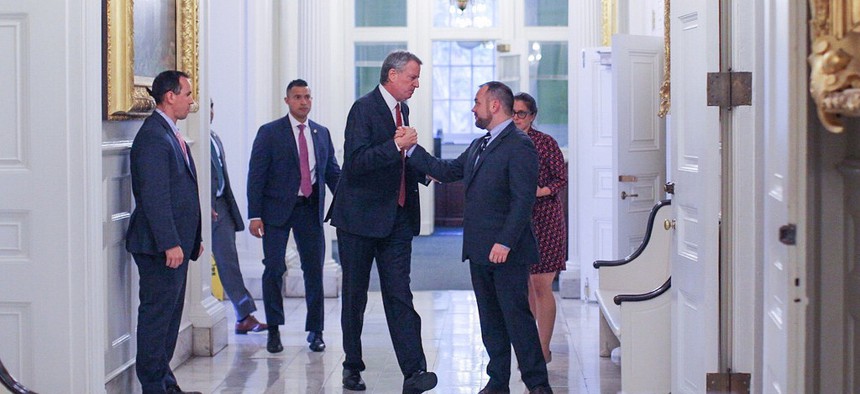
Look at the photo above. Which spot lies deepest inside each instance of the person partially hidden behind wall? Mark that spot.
(226, 222)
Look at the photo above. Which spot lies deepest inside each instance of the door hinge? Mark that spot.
(788, 234)
(728, 382)
(729, 89)
(669, 187)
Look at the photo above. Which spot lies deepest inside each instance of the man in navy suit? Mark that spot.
(376, 212)
(226, 222)
(292, 161)
(164, 230)
(499, 171)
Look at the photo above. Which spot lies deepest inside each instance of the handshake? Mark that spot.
(405, 137)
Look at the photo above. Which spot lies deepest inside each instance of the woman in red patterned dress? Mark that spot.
(547, 220)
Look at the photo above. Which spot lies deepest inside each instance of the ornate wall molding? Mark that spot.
(666, 88)
(609, 18)
(835, 60)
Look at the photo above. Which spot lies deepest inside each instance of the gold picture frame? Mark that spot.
(125, 95)
(834, 80)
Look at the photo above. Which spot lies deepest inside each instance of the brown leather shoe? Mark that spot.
(250, 324)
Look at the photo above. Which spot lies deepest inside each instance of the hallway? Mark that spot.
(452, 343)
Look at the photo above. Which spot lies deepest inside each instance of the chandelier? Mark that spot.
(471, 13)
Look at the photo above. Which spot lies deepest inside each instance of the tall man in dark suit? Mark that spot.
(226, 221)
(500, 173)
(292, 161)
(376, 212)
(164, 230)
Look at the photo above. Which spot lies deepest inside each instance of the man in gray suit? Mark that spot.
(226, 222)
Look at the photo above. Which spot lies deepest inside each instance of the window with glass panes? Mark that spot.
(380, 13)
(546, 12)
(368, 63)
(548, 85)
(459, 67)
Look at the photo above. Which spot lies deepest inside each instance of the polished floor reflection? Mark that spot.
(452, 341)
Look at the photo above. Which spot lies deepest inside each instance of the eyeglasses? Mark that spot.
(522, 114)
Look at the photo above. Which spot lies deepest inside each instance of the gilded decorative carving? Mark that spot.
(834, 68)
(609, 16)
(125, 95)
(665, 89)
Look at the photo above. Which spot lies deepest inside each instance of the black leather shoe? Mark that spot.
(316, 341)
(177, 390)
(352, 380)
(274, 343)
(541, 390)
(419, 382)
(490, 390)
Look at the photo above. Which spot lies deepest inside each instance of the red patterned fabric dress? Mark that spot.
(548, 215)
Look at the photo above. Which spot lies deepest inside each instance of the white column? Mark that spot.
(207, 314)
(316, 65)
(585, 31)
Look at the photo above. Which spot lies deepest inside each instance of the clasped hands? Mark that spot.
(405, 137)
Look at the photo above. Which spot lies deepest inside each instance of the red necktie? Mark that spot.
(304, 167)
(401, 197)
(181, 145)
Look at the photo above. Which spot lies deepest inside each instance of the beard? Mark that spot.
(482, 123)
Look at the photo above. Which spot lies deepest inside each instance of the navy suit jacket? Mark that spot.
(365, 202)
(239, 224)
(500, 194)
(167, 204)
(274, 176)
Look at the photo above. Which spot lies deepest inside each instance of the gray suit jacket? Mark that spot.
(228, 190)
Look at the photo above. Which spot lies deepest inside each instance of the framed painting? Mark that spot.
(143, 38)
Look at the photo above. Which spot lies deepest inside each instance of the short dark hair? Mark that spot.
(396, 60)
(166, 81)
(296, 82)
(528, 100)
(501, 92)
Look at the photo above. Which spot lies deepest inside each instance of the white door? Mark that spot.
(49, 321)
(639, 136)
(695, 158)
(784, 129)
(595, 187)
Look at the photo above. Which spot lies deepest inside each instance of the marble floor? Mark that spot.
(452, 342)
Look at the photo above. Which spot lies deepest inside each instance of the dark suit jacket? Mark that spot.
(500, 194)
(228, 190)
(167, 206)
(366, 199)
(274, 176)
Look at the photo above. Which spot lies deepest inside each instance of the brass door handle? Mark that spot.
(624, 195)
(669, 224)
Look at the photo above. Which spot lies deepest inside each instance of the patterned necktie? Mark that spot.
(401, 196)
(219, 168)
(484, 141)
(304, 167)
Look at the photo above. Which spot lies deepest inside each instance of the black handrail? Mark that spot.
(11, 383)
(644, 296)
(651, 217)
